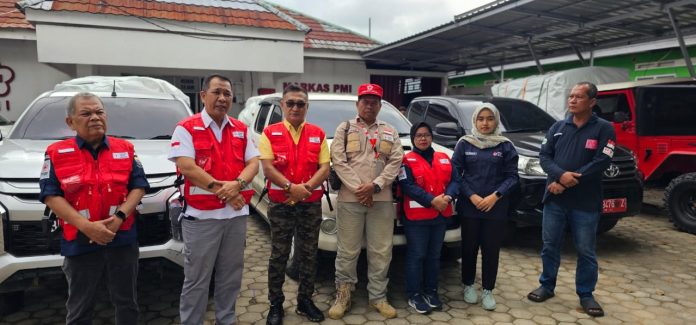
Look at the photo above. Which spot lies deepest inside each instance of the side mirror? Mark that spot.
(620, 117)
(448, 129)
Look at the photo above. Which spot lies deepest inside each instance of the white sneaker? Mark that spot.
(470, 295)
(487, 300)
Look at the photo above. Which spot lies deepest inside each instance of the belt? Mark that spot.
(190, 218)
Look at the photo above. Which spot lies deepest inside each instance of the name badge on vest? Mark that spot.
(66, 150)
(238, 134)
(199, 128)
(120, 155)
(314, 140)
(276, 133)
(444, 161)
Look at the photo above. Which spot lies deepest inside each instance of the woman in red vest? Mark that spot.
(428, 183)
(487, 162)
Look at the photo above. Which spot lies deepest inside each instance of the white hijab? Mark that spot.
(484, 141)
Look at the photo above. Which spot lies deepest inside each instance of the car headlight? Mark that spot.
(328, 226)
(530, 166)
(3, 217)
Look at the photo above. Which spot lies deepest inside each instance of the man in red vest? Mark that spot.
(93, 183)
(295, 159)
(217, 159)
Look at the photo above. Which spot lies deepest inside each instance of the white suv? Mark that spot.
(327, 111)
(142, 110)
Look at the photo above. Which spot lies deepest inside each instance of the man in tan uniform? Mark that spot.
(367, 160)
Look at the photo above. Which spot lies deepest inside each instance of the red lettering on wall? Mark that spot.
(6, 77)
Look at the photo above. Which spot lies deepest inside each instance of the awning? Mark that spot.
(512, 31)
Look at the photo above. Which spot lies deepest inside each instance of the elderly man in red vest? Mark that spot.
(295, 159)
(93, 183)
(217, 159)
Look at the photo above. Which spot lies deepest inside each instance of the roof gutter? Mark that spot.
(283, 15)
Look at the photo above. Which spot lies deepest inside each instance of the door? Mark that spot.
(618, 107)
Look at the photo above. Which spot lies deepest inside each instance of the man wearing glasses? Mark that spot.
(295, 160)
(367, 160)
(217, 159)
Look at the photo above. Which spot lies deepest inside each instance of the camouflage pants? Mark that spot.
(302, 221)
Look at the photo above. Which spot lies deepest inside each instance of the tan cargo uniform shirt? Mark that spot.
(357, 164)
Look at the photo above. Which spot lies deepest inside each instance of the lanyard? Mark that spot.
(373, 140)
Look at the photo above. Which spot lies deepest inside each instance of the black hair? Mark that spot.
(294, 89)
(208, 79)
(591, 88)
(415, 127)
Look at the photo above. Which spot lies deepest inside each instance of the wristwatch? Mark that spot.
(287, 186)
(210, 186)
(498, 194)
(448, 198)
(120, 214)
(377, 188)
(242, 182)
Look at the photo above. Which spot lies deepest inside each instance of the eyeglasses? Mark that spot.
(423, 135)
(292, 103)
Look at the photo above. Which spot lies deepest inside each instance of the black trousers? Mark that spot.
(115, 266)
(488, 235)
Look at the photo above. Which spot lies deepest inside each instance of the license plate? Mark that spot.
(614, 205)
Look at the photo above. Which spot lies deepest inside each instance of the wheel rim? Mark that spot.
(687, 204)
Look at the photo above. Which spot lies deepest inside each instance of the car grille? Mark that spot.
(627, 170)
(31, 238)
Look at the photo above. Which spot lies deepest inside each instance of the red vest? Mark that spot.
(297, 162)
(222, 160)
(433, 180)
(95, 188)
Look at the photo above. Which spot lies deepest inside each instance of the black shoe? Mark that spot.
(306, 307)
(275, 314)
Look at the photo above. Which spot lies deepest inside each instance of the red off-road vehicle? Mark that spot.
(656, 119)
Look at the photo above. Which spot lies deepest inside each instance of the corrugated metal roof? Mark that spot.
(502, 32)
(12, 18)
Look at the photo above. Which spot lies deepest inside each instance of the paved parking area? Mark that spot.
(646, 277)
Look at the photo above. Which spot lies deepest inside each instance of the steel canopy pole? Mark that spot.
(531, 50)
(682, 46)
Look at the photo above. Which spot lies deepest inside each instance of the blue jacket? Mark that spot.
(586, 150)
(483, 172)
(410, 188)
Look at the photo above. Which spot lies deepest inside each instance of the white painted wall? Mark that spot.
(100, 46)
(31, 78)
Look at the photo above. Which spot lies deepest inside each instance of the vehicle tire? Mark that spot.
(606, 225)
(680, 202)
(11, 302)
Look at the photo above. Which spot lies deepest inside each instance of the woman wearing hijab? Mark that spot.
(487, 163)
(428, 183)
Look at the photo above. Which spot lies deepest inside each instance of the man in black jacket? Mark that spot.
(574, 154)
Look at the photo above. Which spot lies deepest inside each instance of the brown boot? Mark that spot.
(384, 308)
(342, 303)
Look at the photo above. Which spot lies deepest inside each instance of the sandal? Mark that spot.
(591, 307)
(540, 294)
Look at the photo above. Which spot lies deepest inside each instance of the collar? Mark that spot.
(377, 122)
(81, 142)
(290, 127)
(207, 119)
(593, 119)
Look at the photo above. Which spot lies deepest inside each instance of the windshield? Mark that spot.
(132, 118)
(520, 116)
(328, 114)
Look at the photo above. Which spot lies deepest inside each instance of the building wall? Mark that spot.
(30, 78)
(628, 61)
(326, 76)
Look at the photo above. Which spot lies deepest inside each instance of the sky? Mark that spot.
(392, 20)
